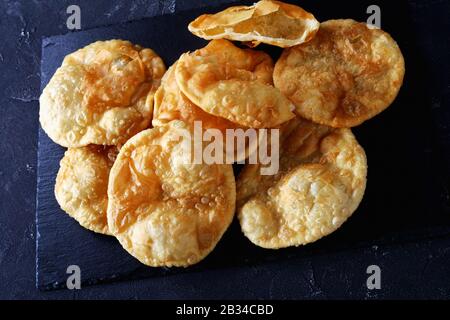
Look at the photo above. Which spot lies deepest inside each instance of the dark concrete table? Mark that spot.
(410, 270)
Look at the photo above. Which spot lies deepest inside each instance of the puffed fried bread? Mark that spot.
(233, 83)
(272, 22)
(346, 75)
(102, 94)
(163, 209)
(320, 183)
(82, 184)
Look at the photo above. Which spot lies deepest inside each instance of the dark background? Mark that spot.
(410, 269)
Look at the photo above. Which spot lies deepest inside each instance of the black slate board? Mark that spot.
(408, 170)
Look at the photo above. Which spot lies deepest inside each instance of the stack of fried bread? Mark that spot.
(126, 172)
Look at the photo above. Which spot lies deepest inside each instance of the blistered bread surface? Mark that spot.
(163, 209)
(101, 94)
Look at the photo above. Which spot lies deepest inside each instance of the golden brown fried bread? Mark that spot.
(320, 183)
(101, 94)
(172, 104)
(347, 74)
(164, 210)
(234, 84)
(272, 22)
(82, 184)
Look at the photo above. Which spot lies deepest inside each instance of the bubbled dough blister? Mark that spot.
(164, 210)
(347, 74)
(233, 83)
(320, 183)
(101, 94)
(272, 22)
(82, 184)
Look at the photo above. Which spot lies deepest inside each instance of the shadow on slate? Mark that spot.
(404, 197)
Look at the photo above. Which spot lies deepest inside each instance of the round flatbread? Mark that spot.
(102, 94)
(272, 22)
(233, 83)
(347, 74)
(163, 209)
(320, 183)
(82, 184)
